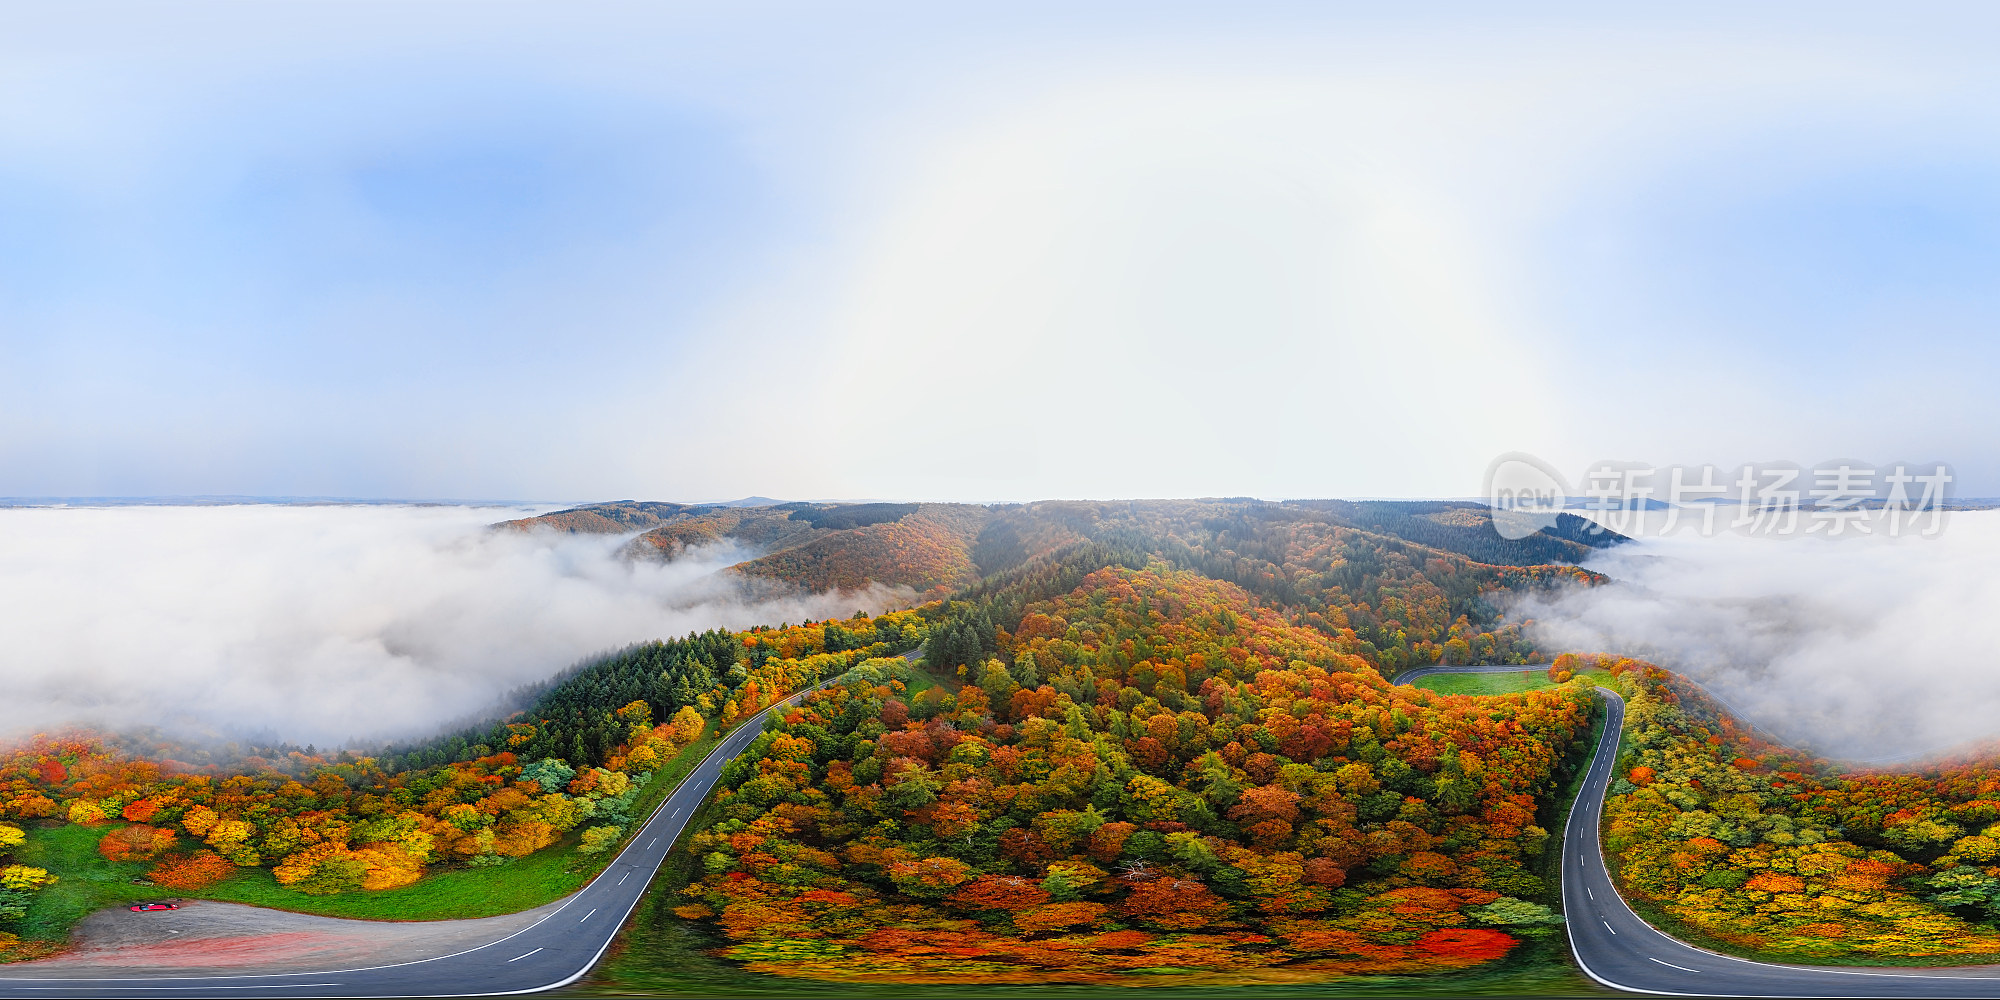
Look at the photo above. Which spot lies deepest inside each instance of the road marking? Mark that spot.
(517, 958)
(593, 912)
(1607, 925)
(1671, 965)
(650, 843)
(622, 878)
(1587, 892)
(274, 986)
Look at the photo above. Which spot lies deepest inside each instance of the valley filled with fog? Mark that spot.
(1859, 646)
(329, 624)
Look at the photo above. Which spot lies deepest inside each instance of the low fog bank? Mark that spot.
(330, 624)
(1858, 647)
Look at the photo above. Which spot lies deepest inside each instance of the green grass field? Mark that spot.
(921, 681)
(1528, 679)
(87, 883)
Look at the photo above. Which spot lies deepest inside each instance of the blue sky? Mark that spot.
(982, 252)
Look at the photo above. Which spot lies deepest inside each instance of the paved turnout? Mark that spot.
(555, 951)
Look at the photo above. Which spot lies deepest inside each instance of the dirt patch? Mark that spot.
(203, 938)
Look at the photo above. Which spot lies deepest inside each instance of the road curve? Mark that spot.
(1618, 949)
(555, 951)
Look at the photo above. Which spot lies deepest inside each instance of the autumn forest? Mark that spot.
(1131, 744)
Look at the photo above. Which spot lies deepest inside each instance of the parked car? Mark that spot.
(149, 907)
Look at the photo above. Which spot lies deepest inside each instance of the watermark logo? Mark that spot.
(1526, 494)
(1770, 499)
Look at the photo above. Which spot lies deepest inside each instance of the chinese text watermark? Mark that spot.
(1769, 499)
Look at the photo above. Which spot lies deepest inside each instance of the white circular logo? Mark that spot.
(1525, 493)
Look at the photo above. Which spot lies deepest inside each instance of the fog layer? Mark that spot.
(325, 624)
(1856, 646)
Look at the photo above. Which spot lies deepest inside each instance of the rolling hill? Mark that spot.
(936, 548)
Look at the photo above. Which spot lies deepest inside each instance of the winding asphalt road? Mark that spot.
(554, 952)
(1618, 949)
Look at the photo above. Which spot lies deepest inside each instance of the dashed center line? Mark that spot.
(593, 912)
(650, 843)
(622, 878)
(517, 958)
(1671, 965)
(1607, 925)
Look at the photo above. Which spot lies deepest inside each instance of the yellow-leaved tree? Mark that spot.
(688, 725)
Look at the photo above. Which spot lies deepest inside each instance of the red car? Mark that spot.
(149, 907)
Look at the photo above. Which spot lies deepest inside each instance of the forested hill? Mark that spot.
(1467, 528)
(1153, 780)
(925, 547)
(605, 518)
(936, 549)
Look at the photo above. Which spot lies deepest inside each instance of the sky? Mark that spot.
(593, 251)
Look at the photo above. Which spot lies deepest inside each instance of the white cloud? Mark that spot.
(325, 623)
(1860, 646)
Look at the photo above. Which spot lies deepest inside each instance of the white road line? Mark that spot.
(593, 912)
(622, 878)
(274, 986)
(1587, 892)
(650, 843)
(1671, 965)
(1607, 925)
(517, 958)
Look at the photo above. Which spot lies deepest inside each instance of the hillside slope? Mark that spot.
(1308, 554)
(1155, 782)
(602, 519)
(924, 547)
